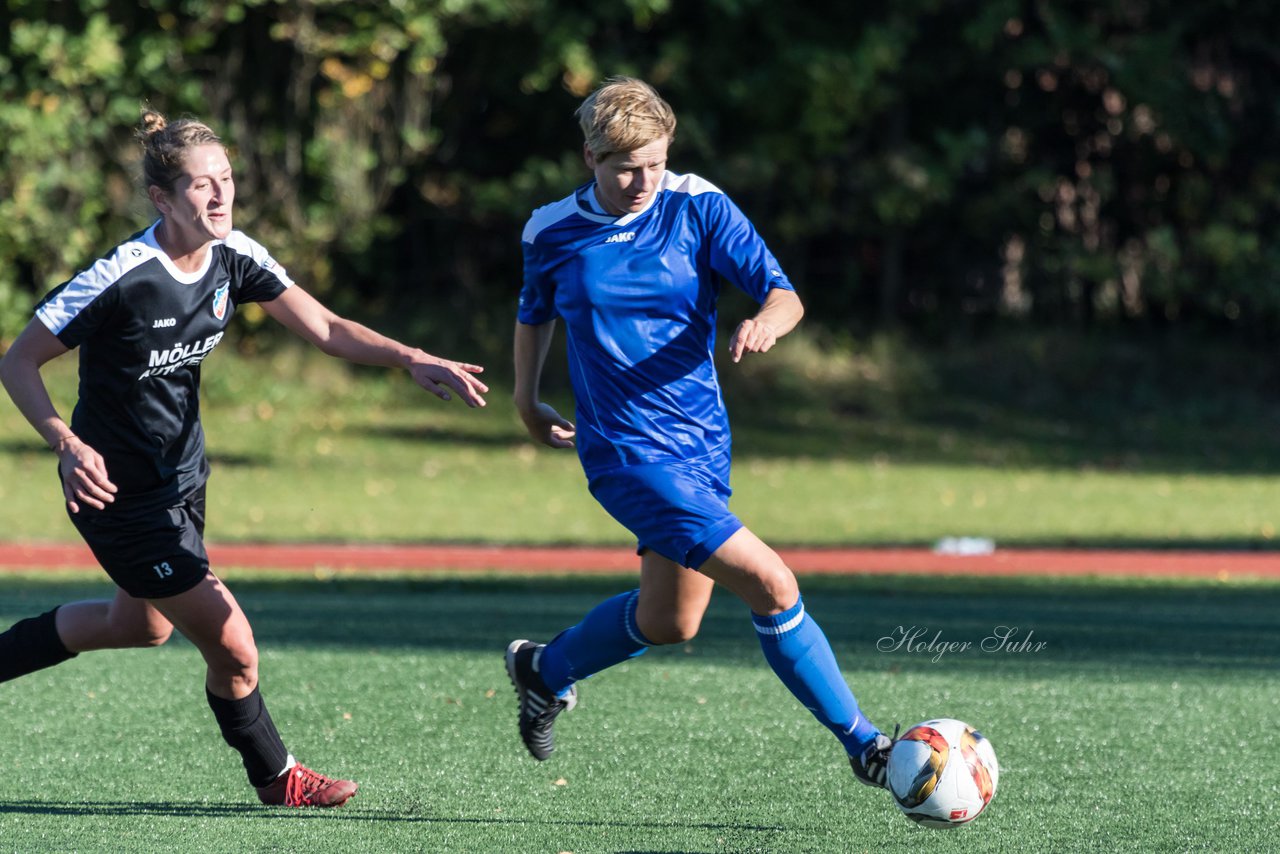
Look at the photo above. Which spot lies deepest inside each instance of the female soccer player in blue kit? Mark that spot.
(132, 461)
(631, 263)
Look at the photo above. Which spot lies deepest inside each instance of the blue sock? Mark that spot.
(798, 651)
(607, 635)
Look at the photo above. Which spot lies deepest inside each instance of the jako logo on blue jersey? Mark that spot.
(621, 237)
(220, 301)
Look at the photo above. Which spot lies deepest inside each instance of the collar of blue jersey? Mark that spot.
(589, 206)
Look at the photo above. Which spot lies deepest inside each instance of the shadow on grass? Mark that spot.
(18, 447)
(1126, 402)
(1120, 401)
(161, 808)
(978, 433)
(228, 460)
(350, 813)
(439, 434)
(34, 447)
(879, 622)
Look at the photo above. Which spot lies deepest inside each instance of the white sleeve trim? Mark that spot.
(690, 183)
(242, 244)
(548, 215)
(88, 285)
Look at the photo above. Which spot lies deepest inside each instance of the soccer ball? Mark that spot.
(942, 773)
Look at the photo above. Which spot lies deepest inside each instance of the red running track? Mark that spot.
(600, 560)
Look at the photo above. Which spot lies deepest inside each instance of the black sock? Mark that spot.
(246, 726)
(31, 644)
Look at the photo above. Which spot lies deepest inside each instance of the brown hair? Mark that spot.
(165, 146)
(624, 114)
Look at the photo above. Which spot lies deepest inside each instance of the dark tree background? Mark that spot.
(926, 165)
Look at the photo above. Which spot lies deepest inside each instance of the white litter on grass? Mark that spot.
(964, 546)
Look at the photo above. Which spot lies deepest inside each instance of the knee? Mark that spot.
(755, 573)
(776, 591)
(671, 629)
(152, 636)
(142, 633)
(244, 660)
(238, 659)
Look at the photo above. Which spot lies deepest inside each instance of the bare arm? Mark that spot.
(83, 471)
(780, 313)
(345, 339)
(542, 421)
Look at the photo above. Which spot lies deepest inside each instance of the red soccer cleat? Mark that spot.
(302, 787)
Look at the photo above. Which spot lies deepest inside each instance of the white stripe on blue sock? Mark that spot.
(780, 624)
(633, 627)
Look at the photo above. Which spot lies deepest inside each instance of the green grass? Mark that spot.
(1146, 723)
(1020, 443)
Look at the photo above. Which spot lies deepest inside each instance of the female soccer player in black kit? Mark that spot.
(132, 461)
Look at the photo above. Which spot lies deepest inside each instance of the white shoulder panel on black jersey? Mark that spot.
(243, 244)
(89, 284)
(548, 215)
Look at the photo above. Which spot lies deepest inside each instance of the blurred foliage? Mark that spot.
(932, 165)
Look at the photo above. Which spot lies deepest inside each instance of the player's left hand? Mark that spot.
(439, 375)
(751, 336)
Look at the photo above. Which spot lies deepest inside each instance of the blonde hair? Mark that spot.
(624, 114)
(165, 146)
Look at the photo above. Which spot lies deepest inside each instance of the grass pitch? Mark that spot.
(1143, 723)
(304, 448)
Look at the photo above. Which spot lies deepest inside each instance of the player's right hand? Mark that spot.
(438, 375)
(548, 426)
(84, 476)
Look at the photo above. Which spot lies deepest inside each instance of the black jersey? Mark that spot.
(143, 327)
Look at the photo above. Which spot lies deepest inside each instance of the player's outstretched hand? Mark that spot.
(751, 336)
(548, 426)
(84, 476)
(439, 375)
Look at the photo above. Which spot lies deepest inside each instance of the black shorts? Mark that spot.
(149, 554)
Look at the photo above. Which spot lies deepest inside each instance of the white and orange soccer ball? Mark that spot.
(942, 773)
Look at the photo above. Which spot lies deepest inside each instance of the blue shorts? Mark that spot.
(679, 509)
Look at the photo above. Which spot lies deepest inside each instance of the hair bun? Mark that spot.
(152, 122)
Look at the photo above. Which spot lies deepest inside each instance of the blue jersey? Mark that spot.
(637, 295)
